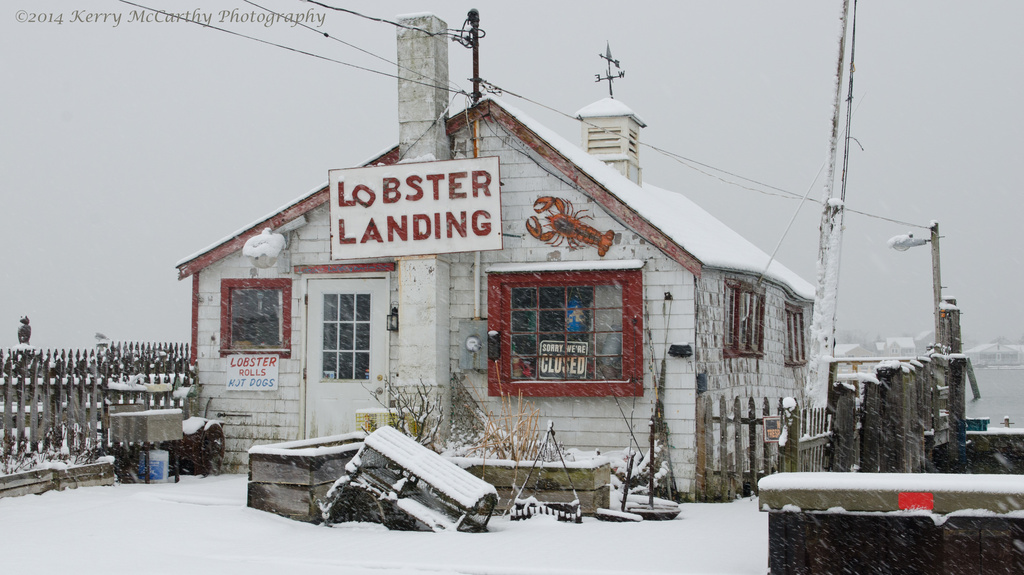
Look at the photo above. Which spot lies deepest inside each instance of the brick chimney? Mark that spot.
(423, 338)
(611, 131)
(422, 65)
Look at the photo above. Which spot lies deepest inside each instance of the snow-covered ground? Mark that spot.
(202, 525)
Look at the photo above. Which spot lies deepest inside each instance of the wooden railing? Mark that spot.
(58, 401)
(895, 415)
(900, 416)
(732, 454)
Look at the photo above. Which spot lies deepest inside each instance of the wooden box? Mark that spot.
(549, 482)
(290, 478)
(151, 426)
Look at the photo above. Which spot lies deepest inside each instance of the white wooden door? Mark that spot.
(346, 352)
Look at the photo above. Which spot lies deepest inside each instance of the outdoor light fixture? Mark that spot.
(906, 241)
(903, 243)
(393, 318)
(264, 248)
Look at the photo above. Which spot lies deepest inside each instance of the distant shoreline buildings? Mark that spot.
(985, 356)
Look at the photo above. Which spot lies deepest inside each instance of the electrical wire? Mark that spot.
(349, 44)
(688, 162)
(282, 46)
(787, 194)
(448, 33)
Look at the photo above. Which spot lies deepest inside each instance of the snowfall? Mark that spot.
(202, 524)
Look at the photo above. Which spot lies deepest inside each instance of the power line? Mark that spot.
(787, 194)
(688, 162)
(284, 47)
(449, 33)
(349, 44)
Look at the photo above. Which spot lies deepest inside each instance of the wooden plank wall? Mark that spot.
(57, 400)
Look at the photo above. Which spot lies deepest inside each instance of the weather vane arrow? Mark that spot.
(609, 76)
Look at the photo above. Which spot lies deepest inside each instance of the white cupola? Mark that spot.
(611, 131)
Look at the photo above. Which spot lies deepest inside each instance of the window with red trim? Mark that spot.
(567, 333)
(795, 354)
(744, 320)
(256, 316)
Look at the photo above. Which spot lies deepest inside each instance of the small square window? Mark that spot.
(256, 316)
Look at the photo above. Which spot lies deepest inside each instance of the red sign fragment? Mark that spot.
(911, 500)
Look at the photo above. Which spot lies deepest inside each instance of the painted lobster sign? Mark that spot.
(565, 225)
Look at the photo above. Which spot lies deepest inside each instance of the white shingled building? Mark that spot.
(488, 253)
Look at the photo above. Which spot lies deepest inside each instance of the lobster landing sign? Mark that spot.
(415, 209)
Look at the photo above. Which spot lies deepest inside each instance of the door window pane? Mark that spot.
(346, 342)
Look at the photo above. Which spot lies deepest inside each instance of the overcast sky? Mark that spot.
(129, 146)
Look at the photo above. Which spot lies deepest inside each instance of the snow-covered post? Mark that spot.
(937, 284)
(829, 245)
(843, 404)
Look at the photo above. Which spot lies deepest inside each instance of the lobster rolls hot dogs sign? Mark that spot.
(415, 209)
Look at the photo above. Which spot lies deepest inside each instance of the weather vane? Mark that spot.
(608, 56)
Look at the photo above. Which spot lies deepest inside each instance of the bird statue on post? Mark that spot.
(24, 332)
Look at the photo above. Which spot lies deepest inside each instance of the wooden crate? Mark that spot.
(548, 483)
(43, 480)
(290, 478)
(406, 486)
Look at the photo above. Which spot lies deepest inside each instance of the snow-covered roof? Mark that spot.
(609, 107)
(995, 347)
(689, 226)
(901, 342)
(844, 349)
(709, 240)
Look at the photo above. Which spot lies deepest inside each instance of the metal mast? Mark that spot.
(829, 247)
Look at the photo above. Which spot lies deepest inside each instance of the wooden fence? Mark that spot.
(732, 454)
(905, 415)
(60, 400)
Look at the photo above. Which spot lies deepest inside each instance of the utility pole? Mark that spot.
(937, 287)
(471, 39)
(829, 245)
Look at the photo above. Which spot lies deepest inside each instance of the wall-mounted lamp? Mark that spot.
(263, 249)
(393, 318)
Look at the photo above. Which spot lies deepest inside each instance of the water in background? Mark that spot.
(1002, 394)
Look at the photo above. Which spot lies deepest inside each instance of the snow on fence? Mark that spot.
(898, 417)
(907, 413)
(732, 454)
(58, 401)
